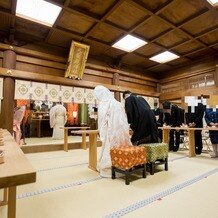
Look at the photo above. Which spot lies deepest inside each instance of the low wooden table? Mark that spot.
(16, 170)
(166, 130)
(92, 146)
(83, 145)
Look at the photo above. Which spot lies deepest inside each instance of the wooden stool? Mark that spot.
(156, 154)
(127, 160)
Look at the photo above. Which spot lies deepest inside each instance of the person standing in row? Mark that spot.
(194, 119)
(211, 117)
(173, 118)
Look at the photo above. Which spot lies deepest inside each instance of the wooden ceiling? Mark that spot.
(189, 28)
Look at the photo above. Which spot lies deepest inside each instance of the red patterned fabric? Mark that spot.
(127, 157)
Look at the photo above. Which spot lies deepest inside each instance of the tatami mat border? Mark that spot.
(160, 195)
(56, 188)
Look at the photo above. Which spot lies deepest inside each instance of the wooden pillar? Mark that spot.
(7, 110)
(116, 82)
(216, 75)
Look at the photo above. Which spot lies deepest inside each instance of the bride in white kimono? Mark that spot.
(112, 125)
(58, 119)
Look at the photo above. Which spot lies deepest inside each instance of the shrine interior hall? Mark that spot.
(58, 51)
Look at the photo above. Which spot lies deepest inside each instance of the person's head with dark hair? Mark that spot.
(126, 94)
(166, 105)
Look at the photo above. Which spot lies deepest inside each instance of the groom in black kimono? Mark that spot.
(141, 119)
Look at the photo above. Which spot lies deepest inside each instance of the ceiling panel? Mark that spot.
(75, 22)
(59, 38)
(181, 10)
(149, 50)
(96, 7)
(203, 23)
(106, 33)
(172, 38)
(146, 64)
(96, 48)
(126, 16)
(152, 28)
(200, 54)
(210, 38)
(31, 28)
(132, 59)
(154, 4)
(187, 47)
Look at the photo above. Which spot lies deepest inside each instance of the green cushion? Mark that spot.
(155, 151)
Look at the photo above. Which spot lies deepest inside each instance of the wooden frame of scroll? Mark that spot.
(77, 60)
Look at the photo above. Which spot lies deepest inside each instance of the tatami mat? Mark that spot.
(67, 188)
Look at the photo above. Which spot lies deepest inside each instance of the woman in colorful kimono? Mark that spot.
(18, 117)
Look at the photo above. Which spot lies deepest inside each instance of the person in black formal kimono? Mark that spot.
(172, 117)
(194, 119)
(159, 112)
(141, 119)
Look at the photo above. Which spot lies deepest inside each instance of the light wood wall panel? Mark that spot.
(97, 79)
(182, 82)
(39, 69)
(138, 86)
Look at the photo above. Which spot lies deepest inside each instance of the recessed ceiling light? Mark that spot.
(129, 43)
(164, 57)
(38, 11)
(213, 2)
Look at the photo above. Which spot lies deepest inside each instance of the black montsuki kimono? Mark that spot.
(196, 117)
(142, 120)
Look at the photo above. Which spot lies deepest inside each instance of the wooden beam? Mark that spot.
(128, 74)
(65, 81)
(32, 53)
(40, 62)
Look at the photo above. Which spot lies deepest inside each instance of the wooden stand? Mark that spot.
(83, 145)
(166, 130)
(92, 146)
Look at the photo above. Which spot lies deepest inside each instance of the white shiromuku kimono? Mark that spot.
(58, 119)
(112, 125)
